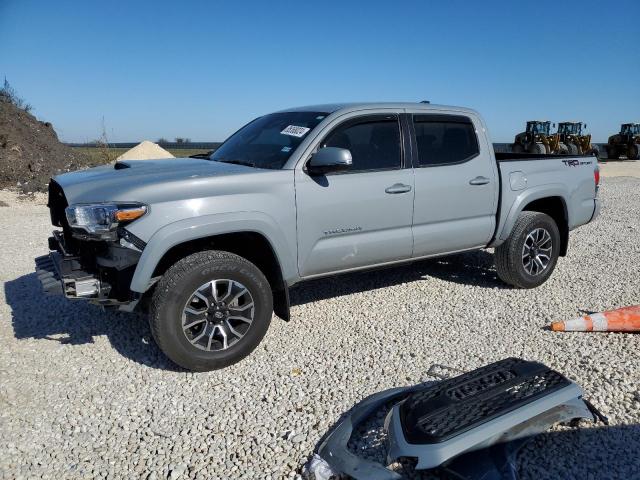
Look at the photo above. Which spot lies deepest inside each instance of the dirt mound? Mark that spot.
(145, 150)
(30, 152)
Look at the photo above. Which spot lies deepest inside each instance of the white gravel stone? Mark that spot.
(87, 394)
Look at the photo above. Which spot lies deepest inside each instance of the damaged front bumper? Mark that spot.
(80, 278)
(471, 426)
(60, 275)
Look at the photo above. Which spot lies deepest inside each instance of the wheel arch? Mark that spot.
(550, 201)
(260, 245)
(556, 208)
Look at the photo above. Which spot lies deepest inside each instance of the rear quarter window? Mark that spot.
(444, 139)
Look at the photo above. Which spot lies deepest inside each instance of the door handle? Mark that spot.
(398, 188)
(479, 181)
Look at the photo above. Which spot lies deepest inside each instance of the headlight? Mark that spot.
(100, 221)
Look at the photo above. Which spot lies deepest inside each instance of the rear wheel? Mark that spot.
(632, 152)
(210, 310)
(529, 256)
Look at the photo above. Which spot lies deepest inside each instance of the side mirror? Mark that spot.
(329, 159)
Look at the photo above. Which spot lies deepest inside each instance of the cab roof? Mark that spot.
(349, 107)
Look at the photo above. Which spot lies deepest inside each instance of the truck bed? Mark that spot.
(568, 179)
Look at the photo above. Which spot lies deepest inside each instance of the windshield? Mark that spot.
(630, 129)
(569, 128)
(269, 141)
(538, 127)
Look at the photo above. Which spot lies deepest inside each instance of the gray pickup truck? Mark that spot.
(210, 247)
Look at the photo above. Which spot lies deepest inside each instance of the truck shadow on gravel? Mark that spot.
(473, 269)
(56, 319)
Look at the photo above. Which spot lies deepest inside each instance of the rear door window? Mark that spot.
(444, 139)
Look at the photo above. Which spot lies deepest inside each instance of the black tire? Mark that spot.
(563, 149)
(612, 153)
(509, 256)
(177, 287)
(537, 148)
(633, 152)
(573, 149)
(517, 148)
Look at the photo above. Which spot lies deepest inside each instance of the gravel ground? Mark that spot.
(85, 394)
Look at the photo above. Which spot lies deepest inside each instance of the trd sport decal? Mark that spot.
(575, 163)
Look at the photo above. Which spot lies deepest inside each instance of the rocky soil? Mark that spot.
(30, 152)
(87, 394)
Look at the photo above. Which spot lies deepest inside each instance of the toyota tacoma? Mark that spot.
(210, 247)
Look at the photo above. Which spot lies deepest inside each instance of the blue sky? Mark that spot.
(201, 69)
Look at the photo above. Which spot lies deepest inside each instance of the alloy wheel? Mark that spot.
(536, 251)
(218, 314)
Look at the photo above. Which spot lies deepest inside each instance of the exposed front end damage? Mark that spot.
(85, 267)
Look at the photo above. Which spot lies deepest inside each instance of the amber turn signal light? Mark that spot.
(130, 214)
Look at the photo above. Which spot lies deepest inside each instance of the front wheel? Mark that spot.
(210, 310)
(529, 256)
(573, 149)
(537, 148)
(633, 153)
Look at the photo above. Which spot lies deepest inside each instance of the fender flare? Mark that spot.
(528, 196)
(204, 226)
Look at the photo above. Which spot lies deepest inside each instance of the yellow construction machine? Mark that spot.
(537, 138)
(626, 143)
(573, 141)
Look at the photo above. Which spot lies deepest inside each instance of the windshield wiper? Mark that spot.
(238, 162)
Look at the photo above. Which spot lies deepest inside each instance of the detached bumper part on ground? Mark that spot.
(486, 414)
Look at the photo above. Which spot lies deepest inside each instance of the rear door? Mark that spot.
(456, 183)
(362, 216)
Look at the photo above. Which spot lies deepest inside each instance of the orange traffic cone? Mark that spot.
(625, 319)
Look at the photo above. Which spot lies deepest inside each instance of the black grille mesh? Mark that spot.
(453, 406)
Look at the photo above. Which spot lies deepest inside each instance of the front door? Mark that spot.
(360, 217)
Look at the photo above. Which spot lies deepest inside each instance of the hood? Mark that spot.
(143, 179)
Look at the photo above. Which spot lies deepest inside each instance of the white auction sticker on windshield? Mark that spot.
(295, 131)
